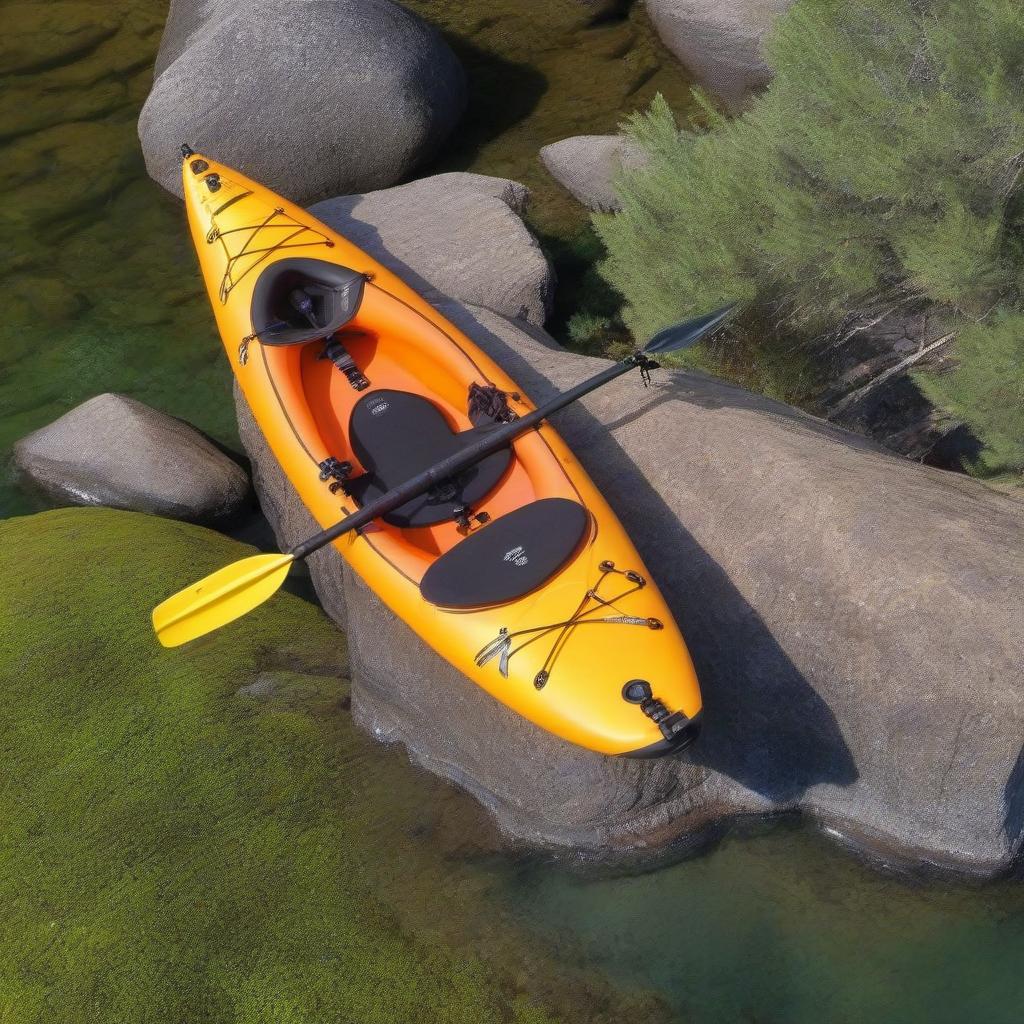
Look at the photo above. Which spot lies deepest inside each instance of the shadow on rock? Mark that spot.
(765, 727)
(1013, 801)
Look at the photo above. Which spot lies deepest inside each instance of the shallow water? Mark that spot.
(775, 927)
(783, 928)
(540, 72)
(543, 71)
(100, 286)
(101, 293)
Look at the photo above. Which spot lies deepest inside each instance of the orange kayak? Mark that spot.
(518, 572)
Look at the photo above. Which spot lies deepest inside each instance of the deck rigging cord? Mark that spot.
(501, 646)
(277, 219)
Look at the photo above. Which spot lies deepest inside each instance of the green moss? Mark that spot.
(173, 850)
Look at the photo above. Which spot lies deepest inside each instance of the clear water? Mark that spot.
(775, 927)
(784, 929)
(100, 287)
(100, 292)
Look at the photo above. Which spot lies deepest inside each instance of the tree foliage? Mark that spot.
(884, 160)
(987, 389)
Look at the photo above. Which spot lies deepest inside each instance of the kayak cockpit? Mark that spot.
(402, 405)
(299, 299)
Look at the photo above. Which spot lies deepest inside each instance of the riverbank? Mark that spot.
(460, 909)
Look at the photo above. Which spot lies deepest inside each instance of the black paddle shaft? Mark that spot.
(455, 464)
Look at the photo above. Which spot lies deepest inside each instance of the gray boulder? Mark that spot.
(115, 451)
(310, 97)
(719, 41)
(587, 165)
(453, 234)
(857, 621)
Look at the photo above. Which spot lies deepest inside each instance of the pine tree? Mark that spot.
(886, 159)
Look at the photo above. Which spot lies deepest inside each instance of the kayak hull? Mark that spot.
(568, 680)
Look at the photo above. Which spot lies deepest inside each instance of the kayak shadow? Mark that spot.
(765, 726)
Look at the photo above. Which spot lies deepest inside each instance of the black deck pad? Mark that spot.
(397, 434)
(509, 557)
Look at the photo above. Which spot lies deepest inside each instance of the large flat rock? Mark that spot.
(857, 622)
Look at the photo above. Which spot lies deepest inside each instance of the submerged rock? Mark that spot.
(587, 165)
(453, 234)
(719, 42)
(115, 451)
(311, 99)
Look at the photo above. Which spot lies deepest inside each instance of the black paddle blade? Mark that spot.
(689, 332)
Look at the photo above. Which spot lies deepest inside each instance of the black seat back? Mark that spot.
(334, 291)
(397, 434)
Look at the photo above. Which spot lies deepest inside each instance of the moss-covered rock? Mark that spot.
(178, 844)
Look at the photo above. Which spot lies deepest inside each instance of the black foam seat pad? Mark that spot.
(509, 557)
(397, 434)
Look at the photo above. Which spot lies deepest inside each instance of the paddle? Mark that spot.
(238, 588)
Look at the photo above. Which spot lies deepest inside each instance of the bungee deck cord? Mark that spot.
(270, 222)
(501, 646)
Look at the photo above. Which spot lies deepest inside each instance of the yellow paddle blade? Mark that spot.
(219, 599)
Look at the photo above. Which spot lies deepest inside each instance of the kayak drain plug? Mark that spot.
(638, 691)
